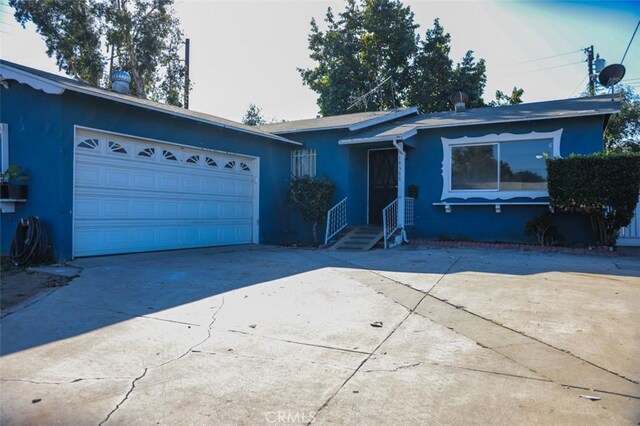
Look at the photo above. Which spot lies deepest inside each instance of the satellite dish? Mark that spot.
(611, 75)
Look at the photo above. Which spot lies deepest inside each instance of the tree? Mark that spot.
(470, 77)
(367, 44)
(623, 131)
(431, 74)
(142, 37)
(372, 48)
(253, 116)
(503, 99)
(314, 197)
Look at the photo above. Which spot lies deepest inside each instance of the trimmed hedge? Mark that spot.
(603, 186)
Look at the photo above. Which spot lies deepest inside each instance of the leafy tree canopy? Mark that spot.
(253, 116)
(623, 131)
(372, 48)
(503, 99)
(143, 36)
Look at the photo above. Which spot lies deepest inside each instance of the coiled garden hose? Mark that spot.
(30, 242)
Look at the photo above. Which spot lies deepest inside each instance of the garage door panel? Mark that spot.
(117, 177)
(125, 202)
(96, 207)
(92, 175)
(107, 240)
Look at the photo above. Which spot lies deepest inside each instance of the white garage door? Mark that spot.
(133, 195)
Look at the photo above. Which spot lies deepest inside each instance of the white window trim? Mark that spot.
(493, 138)
(4, 146)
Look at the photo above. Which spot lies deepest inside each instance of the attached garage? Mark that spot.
(112, 173)
(136, 195)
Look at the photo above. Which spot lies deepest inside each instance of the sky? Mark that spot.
(248, 51)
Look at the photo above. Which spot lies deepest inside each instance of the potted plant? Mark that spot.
(11, 188)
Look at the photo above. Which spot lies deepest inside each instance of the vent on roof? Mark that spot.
(120, 82)
(459, 100)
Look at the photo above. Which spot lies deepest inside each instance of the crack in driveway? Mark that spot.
(135, 381)
(79, 379)
(265, 358)
(314, 345)
(326, 403)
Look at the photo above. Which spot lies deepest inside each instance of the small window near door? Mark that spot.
(303, 162)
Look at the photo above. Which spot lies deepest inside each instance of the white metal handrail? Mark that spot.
(336, 220)
(390, 216)
(390, 220)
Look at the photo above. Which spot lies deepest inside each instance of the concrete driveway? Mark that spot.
(264, 335)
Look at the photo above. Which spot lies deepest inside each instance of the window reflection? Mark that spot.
(522, 166)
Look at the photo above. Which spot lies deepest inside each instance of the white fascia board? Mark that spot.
(36, 82)
(357, 126)
(55, 88)
(517, 120)
(383, 119)
(357, 141)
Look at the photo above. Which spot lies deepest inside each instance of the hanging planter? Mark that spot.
(11, 188)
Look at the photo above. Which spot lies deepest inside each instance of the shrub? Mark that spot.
(602, 186)
(314, 197)
(543, 228)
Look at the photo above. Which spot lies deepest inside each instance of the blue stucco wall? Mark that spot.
(343, 166)
(41, 134)
(347, 166)
(424, 168)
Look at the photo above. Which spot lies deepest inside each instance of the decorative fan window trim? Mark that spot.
(230, 165)
(211, 162)
(117, 148)
(89, 143)
(168, 155)
(492, 139)
(147, 152)
(245, 167)
(193, 159)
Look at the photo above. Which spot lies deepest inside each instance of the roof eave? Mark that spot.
(354, 127)
(50, 87)
(36, 82)
(374, 139)
(383, 119)
(517, 120)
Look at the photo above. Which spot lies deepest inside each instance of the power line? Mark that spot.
(630, 41)
(545, 57)
(556, 66)
(578, 86)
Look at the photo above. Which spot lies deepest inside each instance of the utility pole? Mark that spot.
(186, 74)
(592, 77)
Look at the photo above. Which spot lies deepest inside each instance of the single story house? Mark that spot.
(477, 174)
(112, 173)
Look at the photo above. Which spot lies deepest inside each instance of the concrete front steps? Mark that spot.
(359, 238)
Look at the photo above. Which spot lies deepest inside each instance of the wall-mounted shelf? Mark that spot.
(497, 205)
(8, 205)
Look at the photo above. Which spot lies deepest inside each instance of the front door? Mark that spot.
(383, 182)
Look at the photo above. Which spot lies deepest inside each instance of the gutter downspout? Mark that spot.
(401, 202)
